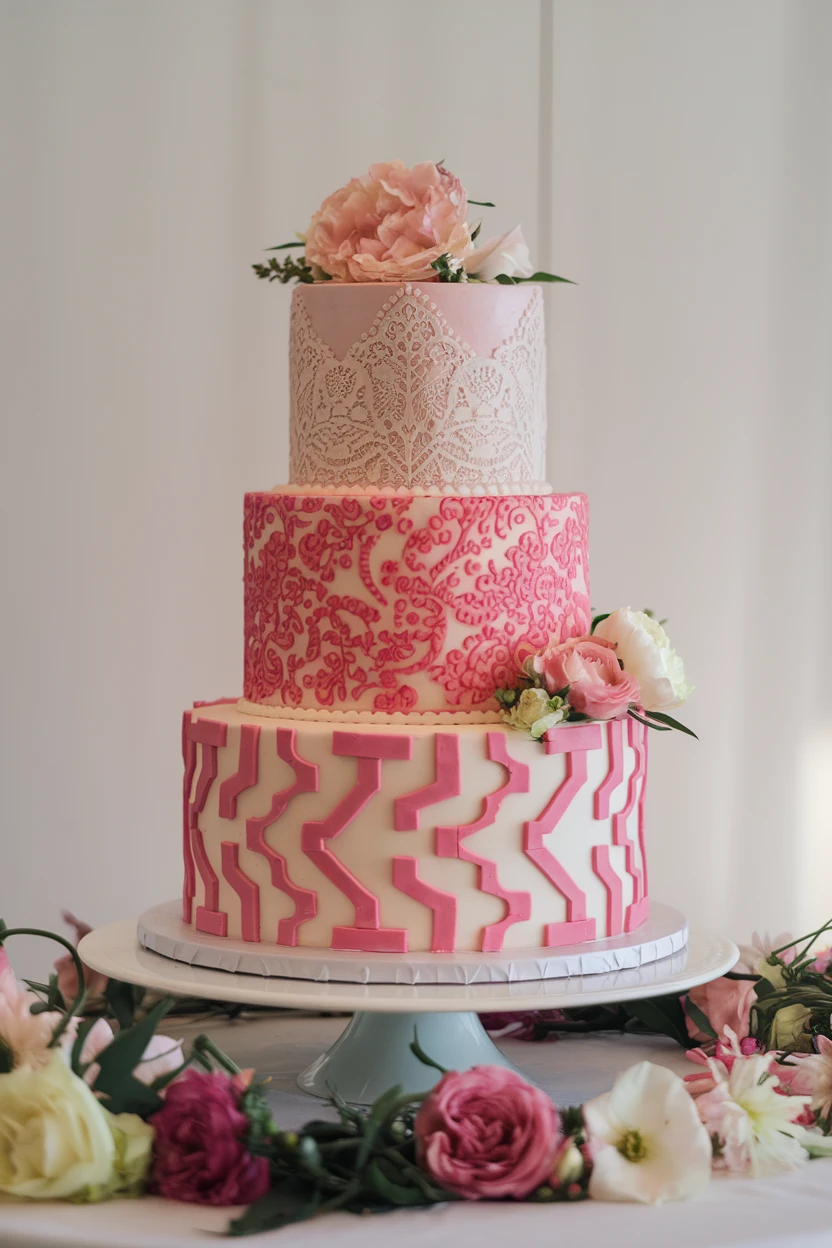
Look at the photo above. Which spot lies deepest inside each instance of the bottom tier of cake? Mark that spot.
(399, 839)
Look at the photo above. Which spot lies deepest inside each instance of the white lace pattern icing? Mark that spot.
(410, 406)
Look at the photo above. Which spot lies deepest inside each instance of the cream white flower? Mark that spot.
(648, 1142)
(529, 707)
(24, 1034)
(133, 1142)
(505, 254)
(55, 1139)
(754, 957)
(751, 1120)
(644, 648)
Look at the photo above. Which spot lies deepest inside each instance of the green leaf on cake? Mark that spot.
(672, 723)
(505, 280)
(481, 203)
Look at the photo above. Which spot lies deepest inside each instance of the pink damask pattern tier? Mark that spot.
(406, 605)
(411, 838)
(438, 387)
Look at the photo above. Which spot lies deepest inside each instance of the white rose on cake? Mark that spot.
(506, 255)
(644, 648)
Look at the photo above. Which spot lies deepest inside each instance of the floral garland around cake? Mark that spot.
(395, 224)
(90, 1112)
(625, 665)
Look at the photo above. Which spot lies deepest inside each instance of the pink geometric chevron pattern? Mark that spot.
(408, 605)
(404, 838)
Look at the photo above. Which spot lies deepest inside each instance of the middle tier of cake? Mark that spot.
(409, 838)
(404, 606)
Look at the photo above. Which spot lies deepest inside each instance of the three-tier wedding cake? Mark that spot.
(406, 771)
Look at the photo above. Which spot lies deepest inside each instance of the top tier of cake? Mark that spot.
(437, 388)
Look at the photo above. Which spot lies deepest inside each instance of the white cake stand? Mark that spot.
(373, 1053)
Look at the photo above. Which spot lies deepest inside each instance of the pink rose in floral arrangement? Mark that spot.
(199, 1151)
(486, 1134)
(390, 225)
(726, 1003)
(598, 686)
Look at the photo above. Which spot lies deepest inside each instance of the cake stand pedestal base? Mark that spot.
(373, 1053)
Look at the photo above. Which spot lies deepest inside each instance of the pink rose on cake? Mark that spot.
(598, 686)
(390, 225)
(487, 1134)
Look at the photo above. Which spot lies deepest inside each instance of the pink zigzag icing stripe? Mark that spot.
(603, 868)
(368, 749)
(210, 735)
(444, 905)
(189, 760)
(645, 736)
(246, 774)
(306, 781)
(577, 926)
(448, 783)
(245, 888)
(615, 774)
(636, 912)
(449, 845)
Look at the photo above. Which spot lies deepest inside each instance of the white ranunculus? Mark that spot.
(506, 254)
(55, 1139)
(647, 1140)
(529, 707)
(644, 648)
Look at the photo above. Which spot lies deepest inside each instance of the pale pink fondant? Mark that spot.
(210, 750)
(444, 905)
(245, 888)
(577, 926)
(246, 774)
(210, 736)
(603, 868)
(369, 750)
(449, 844)
(641, 815)
(615, 774)
(189, 762)
(306, 781)
(406, 604)
(418, 388)
(567, 738)
(448, 783)
(639, 908)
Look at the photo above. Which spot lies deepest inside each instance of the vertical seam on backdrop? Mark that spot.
(544, 135)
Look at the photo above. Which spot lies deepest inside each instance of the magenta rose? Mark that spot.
(598, 685)
(390, 225)
(486, 1133)
(199, 1151)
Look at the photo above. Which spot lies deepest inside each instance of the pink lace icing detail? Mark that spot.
(411, 406)
(306, 781)
(444, 905)
(369, 751)
(245, 888)
(448, 783)
(577, 926)
(406, 604)
(449, 845)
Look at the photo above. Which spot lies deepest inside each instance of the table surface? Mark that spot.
(792, 1211)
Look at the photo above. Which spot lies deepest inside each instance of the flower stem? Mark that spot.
(205, 1046)
(78, 1003)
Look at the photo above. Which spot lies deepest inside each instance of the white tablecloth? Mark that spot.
(793, 1211)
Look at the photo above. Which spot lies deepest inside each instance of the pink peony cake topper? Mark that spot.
(400, 224)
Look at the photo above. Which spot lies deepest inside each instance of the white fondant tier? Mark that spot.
(412, 606)
(437, 387)
(401, 839)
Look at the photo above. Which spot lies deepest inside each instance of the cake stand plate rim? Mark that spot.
(115, 951)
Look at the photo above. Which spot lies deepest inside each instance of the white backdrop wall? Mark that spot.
(673, 158)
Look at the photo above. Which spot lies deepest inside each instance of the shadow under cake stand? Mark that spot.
(440, 994)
